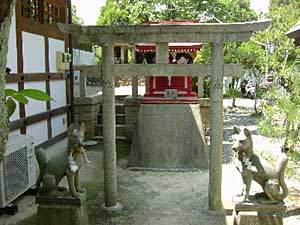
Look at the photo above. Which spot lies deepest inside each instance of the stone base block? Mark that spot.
(169, 136)
(254, 213)
(64, 210)
(132, 105)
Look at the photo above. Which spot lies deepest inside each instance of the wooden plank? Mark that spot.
(26, 121)
(35, 27)
(22, 77)
(52, 141)
(47, 86)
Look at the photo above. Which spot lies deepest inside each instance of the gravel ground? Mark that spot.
(163, 198)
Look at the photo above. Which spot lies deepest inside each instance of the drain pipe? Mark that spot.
(71, 63)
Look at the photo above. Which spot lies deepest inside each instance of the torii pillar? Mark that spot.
(216, 126)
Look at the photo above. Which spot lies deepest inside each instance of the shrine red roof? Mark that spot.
(173, 47)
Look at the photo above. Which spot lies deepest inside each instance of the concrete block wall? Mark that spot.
(86, 110)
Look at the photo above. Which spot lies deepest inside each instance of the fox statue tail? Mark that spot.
(41, 158)
(280, 168)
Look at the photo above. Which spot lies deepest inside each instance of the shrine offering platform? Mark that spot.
(169, 136)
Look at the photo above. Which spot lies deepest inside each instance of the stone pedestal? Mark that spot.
(204, 104)
(132, 105)
(86, 110)
(169, 136)
(258, 214)
(64, 210)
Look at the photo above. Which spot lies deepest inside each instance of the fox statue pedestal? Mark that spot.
(62, 210)
(254, 213)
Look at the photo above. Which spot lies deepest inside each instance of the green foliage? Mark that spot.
(13, 96)
(233, 92)
(282, 114)
(139, 11)
(75, 18)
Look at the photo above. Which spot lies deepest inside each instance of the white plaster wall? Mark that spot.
(12, 62)
(33, 53)
(14, 132)
(34, 106)
(59, 124)
(54, 46)
(81, 57)
(58, 93)
(39, 131)
(16, 114)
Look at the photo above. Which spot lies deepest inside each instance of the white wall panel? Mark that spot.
(54, 46)
(16, 114)
(59, 124)
(34, 106)
(14, 132)
(33, 53)
(58, 93)
(12, 56)
(83, 58)
(39, 131)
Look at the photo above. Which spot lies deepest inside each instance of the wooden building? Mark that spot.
(34, 40)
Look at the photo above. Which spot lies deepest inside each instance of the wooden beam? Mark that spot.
(26, 121)
(23, 77)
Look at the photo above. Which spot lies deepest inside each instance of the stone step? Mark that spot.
(120, 108)
(120, 119)
(120, 130)
(117, 137)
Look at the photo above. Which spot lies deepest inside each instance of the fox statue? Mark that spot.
(252, 167)
(67, 163)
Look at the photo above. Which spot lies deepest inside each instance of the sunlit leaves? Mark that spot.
(13, 96)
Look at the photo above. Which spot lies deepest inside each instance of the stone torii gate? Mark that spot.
(217, 34)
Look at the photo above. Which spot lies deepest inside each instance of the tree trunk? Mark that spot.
(6, 10)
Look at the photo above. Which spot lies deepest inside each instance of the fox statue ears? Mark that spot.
(237, 130)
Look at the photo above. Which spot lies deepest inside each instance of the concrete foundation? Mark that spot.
(62, 210)
(169, 136)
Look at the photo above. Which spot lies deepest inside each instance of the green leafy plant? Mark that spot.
(13, 96)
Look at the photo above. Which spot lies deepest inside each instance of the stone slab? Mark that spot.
(255, 213)
(64, 210)
(169, 136)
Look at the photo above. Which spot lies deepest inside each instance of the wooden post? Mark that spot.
(134, 79)
(109, 131)
(216, 127)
